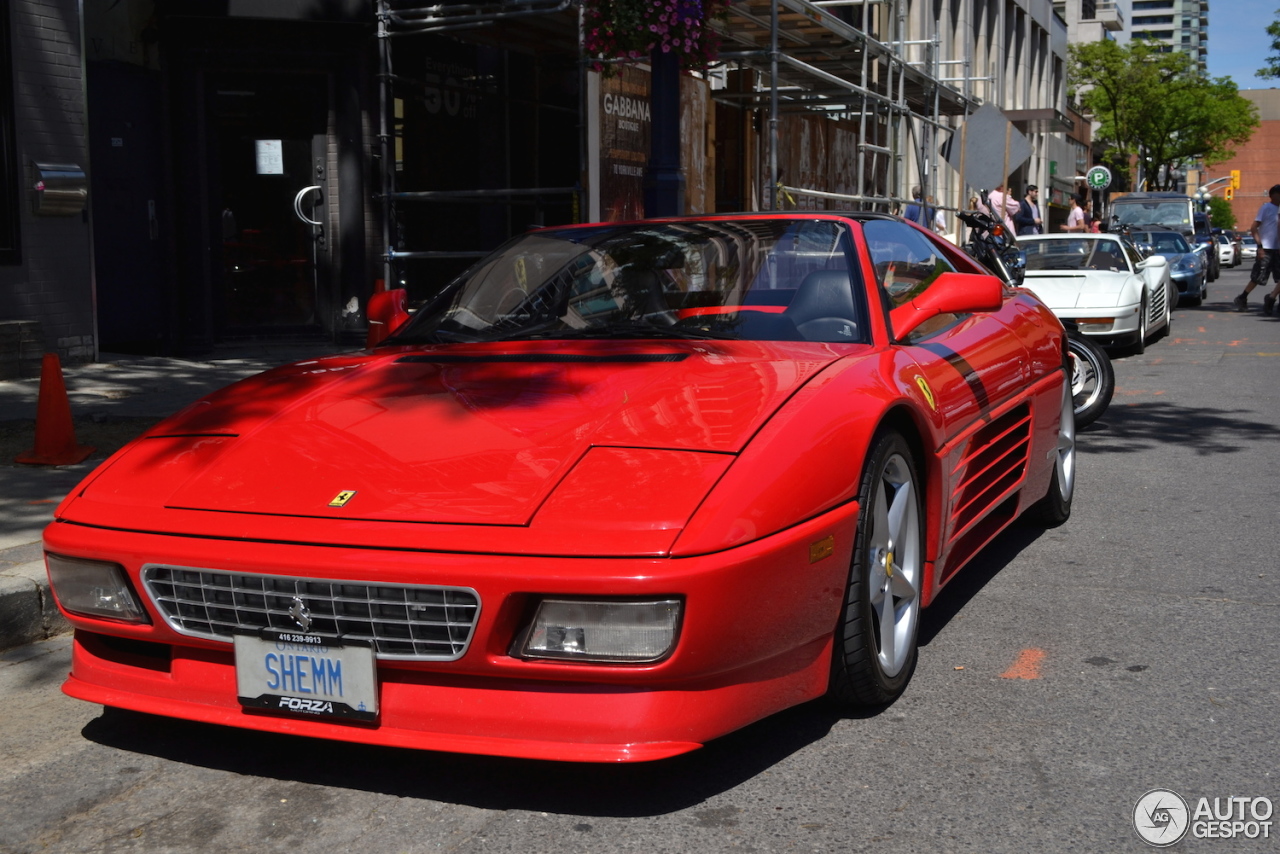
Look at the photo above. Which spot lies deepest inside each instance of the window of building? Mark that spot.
(10, 191)
(1147, 20)
(1141, 5)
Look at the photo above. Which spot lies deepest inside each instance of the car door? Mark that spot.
(971, 363)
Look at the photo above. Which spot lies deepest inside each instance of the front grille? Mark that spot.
(402, 621)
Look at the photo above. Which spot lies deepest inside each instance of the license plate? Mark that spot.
(305, 674)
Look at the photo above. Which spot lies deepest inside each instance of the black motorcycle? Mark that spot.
(1093, 380)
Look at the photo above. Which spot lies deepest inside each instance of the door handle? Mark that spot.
(297, 205)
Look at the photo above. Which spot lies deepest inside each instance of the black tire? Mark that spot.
(1055, 508)
(1140, 346)
(1091, 379)
(1168, 321)
(872, 660)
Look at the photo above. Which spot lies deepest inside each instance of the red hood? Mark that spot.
(476, 435)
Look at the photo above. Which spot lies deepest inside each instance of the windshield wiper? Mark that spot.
(435, 336)
(629, 330)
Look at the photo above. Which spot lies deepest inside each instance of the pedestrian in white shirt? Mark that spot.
(1075, 218)
(1268, 257)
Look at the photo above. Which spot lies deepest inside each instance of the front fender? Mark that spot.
(807, 459)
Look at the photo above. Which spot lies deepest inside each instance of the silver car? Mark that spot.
(1248, 248)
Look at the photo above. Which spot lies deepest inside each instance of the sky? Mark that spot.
(1238, 41)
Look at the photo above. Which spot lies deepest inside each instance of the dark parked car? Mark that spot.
(1207, 245)
(1187, 265)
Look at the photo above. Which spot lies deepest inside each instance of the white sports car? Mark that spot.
(1102, 282)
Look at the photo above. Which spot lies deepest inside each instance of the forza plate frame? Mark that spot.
(312, 665)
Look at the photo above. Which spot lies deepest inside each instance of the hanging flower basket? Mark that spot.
(632, 29)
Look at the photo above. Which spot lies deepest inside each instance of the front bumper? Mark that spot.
(755, 639)
(1187, 283)
(1123, 333)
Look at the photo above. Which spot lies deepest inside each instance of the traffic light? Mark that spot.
(1228, 193)
(1235, 180)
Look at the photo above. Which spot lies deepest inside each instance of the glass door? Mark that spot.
(269, 193)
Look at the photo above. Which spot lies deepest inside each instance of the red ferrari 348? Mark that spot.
(617, 490)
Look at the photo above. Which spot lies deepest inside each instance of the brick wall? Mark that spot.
(52, 285)
(1258, 160)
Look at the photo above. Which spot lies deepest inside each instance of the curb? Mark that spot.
(27, 610)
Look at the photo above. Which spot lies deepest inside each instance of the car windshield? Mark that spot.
(1084, 253)
(1170, 214)
(750, 279)
(1248, 241)
(1163, 242)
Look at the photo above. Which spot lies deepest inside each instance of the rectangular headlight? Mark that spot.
(94, 588)
(617, 631)
(1095, 324)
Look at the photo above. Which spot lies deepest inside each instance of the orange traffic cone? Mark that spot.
(55, 434)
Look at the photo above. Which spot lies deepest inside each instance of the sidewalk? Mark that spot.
(112, 401)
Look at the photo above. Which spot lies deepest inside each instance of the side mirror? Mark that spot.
(950, 293)
(386, 313)
(1156, 261)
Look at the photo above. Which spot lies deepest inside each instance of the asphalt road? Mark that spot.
(1064, 675)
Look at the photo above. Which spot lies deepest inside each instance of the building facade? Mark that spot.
(1258, 161)
(1174, 24)
(46, 295)
(255, 167)
(1091, 20)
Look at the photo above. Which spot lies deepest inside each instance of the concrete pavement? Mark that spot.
(112, 401)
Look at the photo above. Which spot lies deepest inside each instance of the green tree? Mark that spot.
(1220, 214)
(1273, 62)
(1157, 108)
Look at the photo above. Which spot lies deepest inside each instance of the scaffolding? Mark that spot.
(809, 59)
(805, 57)
(540, 22)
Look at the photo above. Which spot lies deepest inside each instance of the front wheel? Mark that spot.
(1140, 346)
(1093, 379)
(875, 645)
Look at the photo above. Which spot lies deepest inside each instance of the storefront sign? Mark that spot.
(624, 143)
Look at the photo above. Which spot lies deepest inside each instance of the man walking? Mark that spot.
(1268, 259)
(1027, 219)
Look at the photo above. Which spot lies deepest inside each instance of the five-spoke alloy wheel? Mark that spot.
(875, 647)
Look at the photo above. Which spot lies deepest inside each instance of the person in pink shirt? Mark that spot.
(1003, 205)
(1075, 219)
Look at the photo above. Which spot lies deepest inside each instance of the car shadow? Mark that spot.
(483, 782)
(1143, 426)
(974, 576)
